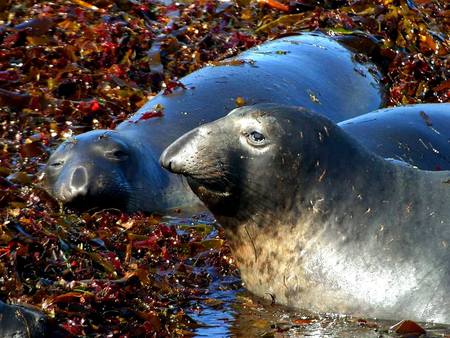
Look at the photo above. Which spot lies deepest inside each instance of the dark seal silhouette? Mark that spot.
(21, 322)
(318, 221)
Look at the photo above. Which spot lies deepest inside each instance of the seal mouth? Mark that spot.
(218, 197)
(208, 188)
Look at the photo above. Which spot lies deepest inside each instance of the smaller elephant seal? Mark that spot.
(318, 221)
(119, 168)
(415, 134)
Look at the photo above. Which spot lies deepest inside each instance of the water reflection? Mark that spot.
(217, 318)
(244, 315)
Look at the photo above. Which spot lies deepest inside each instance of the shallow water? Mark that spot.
(237, 313)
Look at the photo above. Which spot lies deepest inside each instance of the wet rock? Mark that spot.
(407, 328)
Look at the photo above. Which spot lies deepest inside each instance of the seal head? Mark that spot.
(102, 168)
(250, 154)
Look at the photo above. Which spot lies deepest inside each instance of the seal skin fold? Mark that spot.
(317, 220)
(121, 170)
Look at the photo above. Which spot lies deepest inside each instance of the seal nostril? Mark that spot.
(79, 178)
(166, 160)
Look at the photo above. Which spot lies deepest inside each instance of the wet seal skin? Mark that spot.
(119, 168)
(416, 134)
(318, 221)
(20, 322)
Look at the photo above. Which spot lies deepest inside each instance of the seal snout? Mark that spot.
(176, 156)
(167, 160)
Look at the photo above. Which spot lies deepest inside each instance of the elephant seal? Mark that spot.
(318, 221)
(119, 168)
(416, 134)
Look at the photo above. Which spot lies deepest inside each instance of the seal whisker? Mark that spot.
(253, 244)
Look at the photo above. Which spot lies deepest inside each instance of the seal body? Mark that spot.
(316, 220)
(20, 322)
(120, 169)
(415, 134)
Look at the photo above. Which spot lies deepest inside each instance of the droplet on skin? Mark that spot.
(240, 101)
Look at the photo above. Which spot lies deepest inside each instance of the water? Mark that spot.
(240, 314)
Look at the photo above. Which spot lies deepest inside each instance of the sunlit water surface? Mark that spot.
(237, 313)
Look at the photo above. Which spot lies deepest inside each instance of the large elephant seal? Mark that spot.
(120, 168)
(416, 134)
(318, 221)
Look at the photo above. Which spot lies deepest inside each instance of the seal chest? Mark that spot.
(318, 221)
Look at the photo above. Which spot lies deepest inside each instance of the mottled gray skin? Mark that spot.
(415, 134)
(120, 169)
(318, 221)
(20, 322)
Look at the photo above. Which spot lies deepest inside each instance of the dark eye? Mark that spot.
(256, 138)
(56, 164)
(118, 155)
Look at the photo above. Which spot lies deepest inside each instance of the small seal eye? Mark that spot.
(56, 164)
(256, 138)
(118, 155)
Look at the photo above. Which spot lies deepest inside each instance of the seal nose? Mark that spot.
(170, 158)
(174, 158)
(79, 181)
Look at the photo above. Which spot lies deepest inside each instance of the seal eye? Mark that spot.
(56, 164)
(255, 138)
(117, 155)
